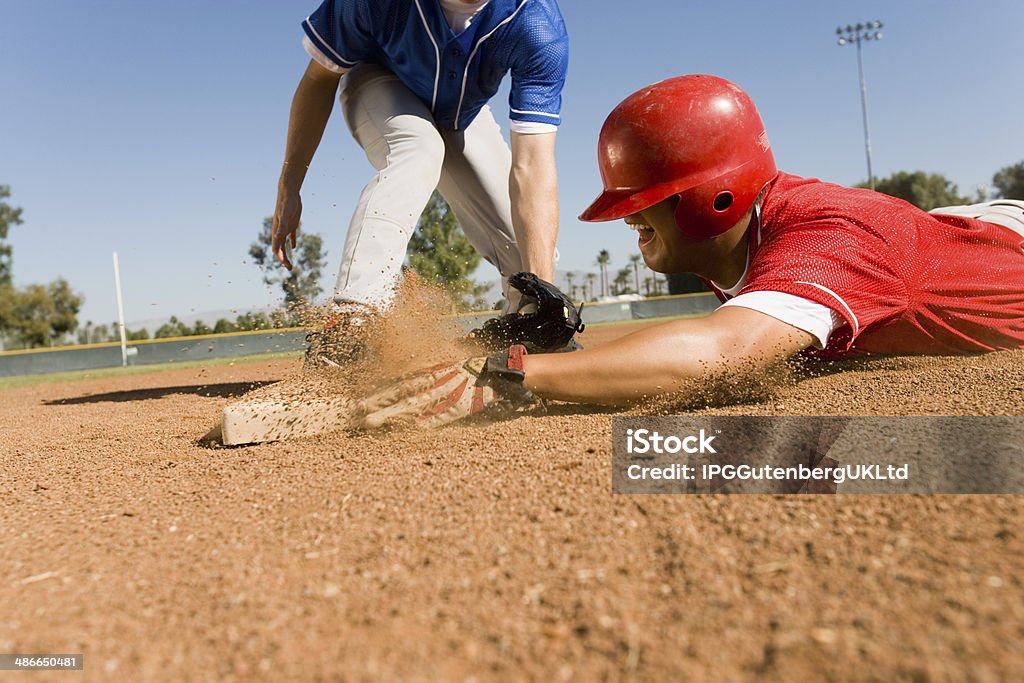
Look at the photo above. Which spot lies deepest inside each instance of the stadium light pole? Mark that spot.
(856, 35)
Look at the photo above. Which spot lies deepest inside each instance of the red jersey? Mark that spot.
(903, 280)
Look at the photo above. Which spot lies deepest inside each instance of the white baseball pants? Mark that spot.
(1006, 212)
(470, 168)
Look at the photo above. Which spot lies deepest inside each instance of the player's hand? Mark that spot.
(287, 215)
(547, 320)
(446, 393)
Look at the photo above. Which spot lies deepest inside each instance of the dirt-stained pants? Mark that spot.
(470, 168)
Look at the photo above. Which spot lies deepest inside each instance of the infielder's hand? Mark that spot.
(446, 393)
(287, 214)
(546, 323)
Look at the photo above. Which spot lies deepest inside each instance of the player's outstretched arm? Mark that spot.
(311, 108)
(665, 359)
(533, 189)
(660, 360)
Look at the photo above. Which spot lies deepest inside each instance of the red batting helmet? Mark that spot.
(698, 138)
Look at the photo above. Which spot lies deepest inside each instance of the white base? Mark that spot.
(260, 416)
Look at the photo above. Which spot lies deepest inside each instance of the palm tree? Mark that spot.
(589, 295)
(634, 260)
(622, 281)
(603, 259)
(569, 275)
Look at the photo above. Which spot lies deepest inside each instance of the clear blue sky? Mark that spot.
(157, 129)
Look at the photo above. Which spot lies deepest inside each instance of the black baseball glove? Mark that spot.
(546, 322)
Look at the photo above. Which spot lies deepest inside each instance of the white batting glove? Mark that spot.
(446, 393)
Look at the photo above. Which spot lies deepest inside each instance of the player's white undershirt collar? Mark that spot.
(460, 14)
(814, 318)
(756, 237)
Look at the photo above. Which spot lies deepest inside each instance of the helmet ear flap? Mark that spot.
(711, 209)
(688, 223)
(707, 211)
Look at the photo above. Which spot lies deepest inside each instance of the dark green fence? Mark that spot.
(236, 344)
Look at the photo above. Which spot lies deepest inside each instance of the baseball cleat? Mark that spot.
(341, 341)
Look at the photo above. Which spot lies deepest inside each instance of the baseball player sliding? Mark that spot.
(415, 78)
(802, 266)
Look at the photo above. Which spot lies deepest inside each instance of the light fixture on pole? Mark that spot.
(856, 35)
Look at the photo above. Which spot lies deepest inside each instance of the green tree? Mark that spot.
(301, 284)
(42, 315)
(32, 309)
(9, 217)
(440, 253)
(569, 277)
(136, 335)
(7, 300)
(37, 315)
(100, 334)
(66, 304)
(201, 328)
(248, 322)
(634, 260)
(224, 325)
(84, 332)
(657, 284)
(1009, 181)
(172, 328)
(603, 259)
(924, 190)
(588, 293)
(622, 281)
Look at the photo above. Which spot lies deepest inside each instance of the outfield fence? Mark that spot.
(238, 344)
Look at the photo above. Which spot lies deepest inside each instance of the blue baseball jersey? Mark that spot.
(454, 74)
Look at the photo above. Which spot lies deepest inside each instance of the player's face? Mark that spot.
(665, 249)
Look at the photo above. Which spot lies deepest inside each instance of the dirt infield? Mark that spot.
(486, 552)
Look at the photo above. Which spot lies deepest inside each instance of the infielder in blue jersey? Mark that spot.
(415, 78)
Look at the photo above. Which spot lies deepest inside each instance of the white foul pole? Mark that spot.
(120, 312)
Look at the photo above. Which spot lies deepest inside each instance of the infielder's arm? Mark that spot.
(311, 108)
(730, 342)
(533, 188)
